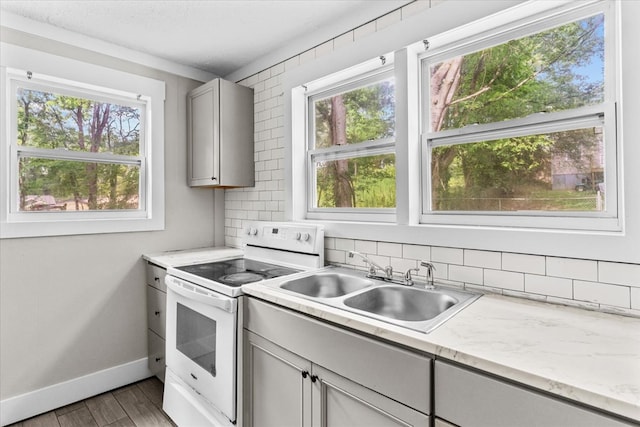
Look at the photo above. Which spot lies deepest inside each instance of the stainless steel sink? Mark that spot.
(326, 285)
(414, 307)
(402, 303)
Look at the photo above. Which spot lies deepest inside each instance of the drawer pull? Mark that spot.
(157, 279)
(194, 377)
(305, 374)
(314, 378)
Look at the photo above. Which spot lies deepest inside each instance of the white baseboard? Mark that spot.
(48, 398)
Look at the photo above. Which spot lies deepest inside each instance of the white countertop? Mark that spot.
(585, 356)
(191, 256)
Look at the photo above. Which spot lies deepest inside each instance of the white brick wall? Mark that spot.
(590, 284)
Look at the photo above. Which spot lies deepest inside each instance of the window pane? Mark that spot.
(363, 182)
(58, 185)
(50, 120)
(561, 171)
(558, 69)
(363, 114)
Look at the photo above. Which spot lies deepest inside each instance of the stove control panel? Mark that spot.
(306, 238)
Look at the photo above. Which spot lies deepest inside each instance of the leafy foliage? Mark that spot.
(539, 73)
(57, 122)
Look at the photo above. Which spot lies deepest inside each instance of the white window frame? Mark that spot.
(620, 245)
(600, 115)
(365, 74)
(22, 67)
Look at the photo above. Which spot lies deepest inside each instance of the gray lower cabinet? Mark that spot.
(156, 318)
(467, 399)
(301, 372)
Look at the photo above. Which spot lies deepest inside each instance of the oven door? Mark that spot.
(201, 342)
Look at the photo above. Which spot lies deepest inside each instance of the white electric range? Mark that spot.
(202, 317)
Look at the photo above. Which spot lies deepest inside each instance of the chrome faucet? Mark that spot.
(430, 269)
(408, 280)
(373, 267)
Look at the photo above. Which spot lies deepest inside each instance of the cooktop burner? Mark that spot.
(237, 272)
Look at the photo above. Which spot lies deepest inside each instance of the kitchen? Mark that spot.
(60, 329)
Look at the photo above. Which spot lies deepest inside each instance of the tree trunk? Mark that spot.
(444, 82)
(99, 120)
(342, 190)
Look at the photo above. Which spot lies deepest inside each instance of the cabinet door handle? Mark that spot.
(157, 313)
(157, 279)
(159, 359)
(314, 378)
(305, 374)
(213, 178)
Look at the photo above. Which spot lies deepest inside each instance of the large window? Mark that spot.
(79, 154)
(351, 145)
(522, 123)
(508, 131)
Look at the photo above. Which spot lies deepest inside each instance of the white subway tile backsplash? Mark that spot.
(292, 63)
(602, 293)
(572, 268)
(484, 259)
(401, 265)
(414, 8)
(448, 255)
(388, 19)
(545, 285)
(619, 273)
(332, 255)
(441, 271)
(418, 252)
(330, 243)
(523, 263)
(364, 30)
(464, 274)
(345, 244)
(366, 246)
(307, 56)
(504, 279)
(390, 249)
(324, 49)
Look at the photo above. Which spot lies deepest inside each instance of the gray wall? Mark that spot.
(71, 306)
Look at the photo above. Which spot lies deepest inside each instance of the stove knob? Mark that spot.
(252, 231)
(298, 235)
(305, 237)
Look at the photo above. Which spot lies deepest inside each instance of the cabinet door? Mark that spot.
(278, 385)
(468, 399)
(204, 134)
(345, 403)
(155, 277)
(156, 349)
(157, 311)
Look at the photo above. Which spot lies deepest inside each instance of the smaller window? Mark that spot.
(77, 153)
(83, 148)
(351, 146)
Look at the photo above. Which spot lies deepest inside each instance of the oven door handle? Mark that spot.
(222, 302)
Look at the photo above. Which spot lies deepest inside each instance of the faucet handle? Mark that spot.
(408, 280)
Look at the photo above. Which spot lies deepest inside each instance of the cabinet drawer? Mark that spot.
(397, 373)
(468, 399)
(156, 348)
(155, 277)
(156, 311)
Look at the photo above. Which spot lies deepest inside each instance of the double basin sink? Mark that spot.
(415, 307)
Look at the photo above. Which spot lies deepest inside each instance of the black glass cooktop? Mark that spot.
(237, 272)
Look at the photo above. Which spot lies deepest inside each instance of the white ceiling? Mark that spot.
(217, 36)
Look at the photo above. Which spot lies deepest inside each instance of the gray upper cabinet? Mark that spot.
(220, 135)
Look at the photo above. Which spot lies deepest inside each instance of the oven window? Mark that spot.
(196, 338)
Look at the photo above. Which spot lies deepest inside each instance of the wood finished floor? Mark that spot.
(135, 405)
